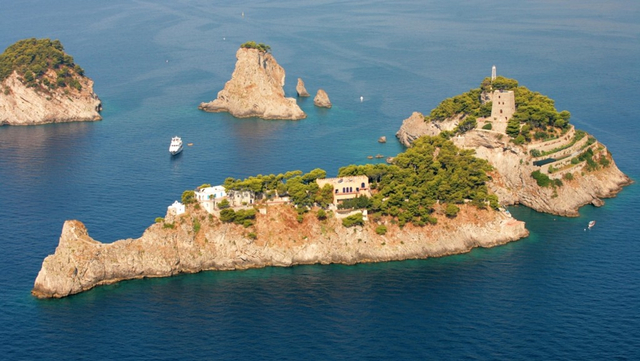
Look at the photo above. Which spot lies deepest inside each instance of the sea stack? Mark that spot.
(322, 99)
(40, 83)
(302, 91)
(255, 88)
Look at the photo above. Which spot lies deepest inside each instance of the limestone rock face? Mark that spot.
(301, 90)
(81, 263)
(322, 99)
(22, 105)
(255, 89)
(513, 183)
(415, 127)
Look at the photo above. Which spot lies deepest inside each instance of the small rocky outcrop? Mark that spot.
(81, 263)
(49, 88)
(301, 90)
(322, 99)
(415, 127)
(255, 89)
(382, 139)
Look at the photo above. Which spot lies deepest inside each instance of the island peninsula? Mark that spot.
(432, 202)
(40, 83)
(255, 88)
(442, 196)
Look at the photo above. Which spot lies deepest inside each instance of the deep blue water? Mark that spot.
(562, 293)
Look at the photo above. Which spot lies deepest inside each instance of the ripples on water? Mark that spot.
(563, 293)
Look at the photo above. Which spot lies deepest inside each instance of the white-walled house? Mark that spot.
(176, 208)
(209, 197)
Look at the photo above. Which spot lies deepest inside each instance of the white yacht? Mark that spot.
(176, 145)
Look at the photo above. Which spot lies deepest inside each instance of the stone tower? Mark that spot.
(493, 73)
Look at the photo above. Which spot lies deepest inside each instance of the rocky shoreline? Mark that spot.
(81, 263)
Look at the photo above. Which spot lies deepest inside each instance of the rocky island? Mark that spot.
(255, 88)
(40, 83)
(540, 160)
(431, 202)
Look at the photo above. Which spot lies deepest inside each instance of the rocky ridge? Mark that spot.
(23, 105)
(255, 89)
(81, 263)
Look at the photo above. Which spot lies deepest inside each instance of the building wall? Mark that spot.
(347, 187)
(503, 105)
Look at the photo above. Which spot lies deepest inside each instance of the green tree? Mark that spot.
(188, 197)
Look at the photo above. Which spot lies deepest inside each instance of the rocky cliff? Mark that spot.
(415, 127)
(23, 105)
(196, 241)
(255, 89)
(512, 180)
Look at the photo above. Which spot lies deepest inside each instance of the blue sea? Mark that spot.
(563, 293)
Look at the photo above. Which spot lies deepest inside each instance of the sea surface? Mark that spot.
(563, 293)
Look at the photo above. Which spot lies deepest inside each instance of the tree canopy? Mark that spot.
(32, 58)
(535, 113)
(433, 170)
(253, 45)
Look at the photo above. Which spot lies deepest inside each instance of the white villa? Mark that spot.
(209, 197)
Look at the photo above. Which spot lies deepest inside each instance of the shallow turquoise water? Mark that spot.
(562, 293)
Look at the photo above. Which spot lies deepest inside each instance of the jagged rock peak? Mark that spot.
(255, 89)
(47, 88)
(322, 99)
(302, 91)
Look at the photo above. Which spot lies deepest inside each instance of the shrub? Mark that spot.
(451, 210)
(196, 225)
(381, 230)
(159, 220)
(535, 153)
(604, 162)
(224, 204)
(168, 225)
(252, 235)
(321, 215)
(568, 176)
(487, 126)
(353, 220)
(542, 179)
(227, 215)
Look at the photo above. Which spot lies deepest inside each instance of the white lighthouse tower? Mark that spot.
(493, 73)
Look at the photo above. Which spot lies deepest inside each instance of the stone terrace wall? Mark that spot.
(566, 152)
(555, 143)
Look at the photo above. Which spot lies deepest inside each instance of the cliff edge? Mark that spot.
(255, 89)
(197, 241)
(41, 84)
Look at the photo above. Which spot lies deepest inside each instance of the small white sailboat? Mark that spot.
(591, 224)
(176, 145)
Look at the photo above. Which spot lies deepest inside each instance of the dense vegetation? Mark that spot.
(535, 116)
(301, 188)
(33, 58)
(254, 45)
(433, 170)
